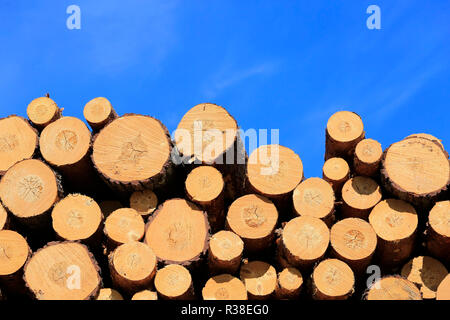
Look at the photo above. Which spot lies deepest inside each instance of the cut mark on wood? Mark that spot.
(4, 253)
(57, 273)
(8, 143)
(134, 150)
(75, 219)
(332, 275)
(222, 294)
(354, 239)
(394, 220)
(66, 140)
(134, 260)
(252, 217)
(179, 235)
(30, 188)
(313, 197)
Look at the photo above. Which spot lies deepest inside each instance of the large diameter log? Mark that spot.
(98, 113)
(225, 252)
(359, 196)
(63, 271)
(274, 171)
(438, 232)
(78, 217)
(314, 197)
(395, 223)
(224, 287)
(332, 279)
(367, 158)
(289, 284)
(427, 273)
(133, 152)
(393, 288)
(4, 220)
(344, 130)
(174, 282)
(427, 136)
(178, 233)
(109, 294)
(42, 111)
(260, 279)
(253, 218)
(336, 171)
(205, 187)
(122, 226)
(18, 141)
(443, 291)
(29, 190)
(304, 241)
(354, 241)
(144, 202)
(132, 266)
(416, 170)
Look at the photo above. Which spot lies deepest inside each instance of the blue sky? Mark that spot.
(273, 64)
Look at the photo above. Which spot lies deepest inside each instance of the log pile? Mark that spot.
(118, 210)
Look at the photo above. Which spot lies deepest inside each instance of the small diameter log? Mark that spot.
(359, 196)
(78, 217)
(344, 130)
(144, 202)
(438, 233)
(367, 158)
(336, 171)
(29, 190)
(145, 295)
(224, 287)
(289, 284)
(14, 252)
(427, 273)
(225, 252)
(304, 241)
(63, 271)
(253, 218)
(395, 223)
(443, 291)
(132, 153)
(132, 266)
(205, 187)
(416, 170)
(393, 288)
(174, 282)
(314, 197)
(353, 241)
(122, 226)
(109, 294)
(427, 136)
(109, 206)
(43, 111)
(332, 279)
(208, 134)
(98, 113)
(18, 141)
(4, 220)
(260, 279)
(274, 171)
(178, 232)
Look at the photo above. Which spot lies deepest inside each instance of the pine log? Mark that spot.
(443, 291)
(336, 171)
(18, 141)
(63, 271)
(205, 187)
(359, 195)
(367, 158)
(174, 282)
(438, 232)
(289, 284)
(427, 136)
(29, 190)
(353, 241)
(145, 295)
(304, 241)
(253, 218)
(314, 197)
(4, 219)
(132, 266)
(395, 223)
(144, 202)
(274, 171)
(224, 287)
(416, 170)
(178, 232)
(260, 279)
(332, 279)
(109, 294)
(98, 113)
(42, 111)
(344, 130)
(393, 288)
(225, 252)
(122, 226)
(132, 153)
(427, 273)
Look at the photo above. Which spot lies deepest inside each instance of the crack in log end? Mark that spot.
(57, 274)
(313, 197)
(222, 294)
(332, 275)
(66, 140)
(354, 239)
(252, 217)
(8, 143)
(75, 219)
(133, 151)
(308, 236)
(4, 255)
(30, 188)
(394, 220)
(179, 235)
(133, 260)
(344, 127)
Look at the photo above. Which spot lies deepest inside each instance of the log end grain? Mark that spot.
(360, 194)
(99, 112)
(3, 218)
(144, 202)
(224, 287)
(204, 184)
(336, 171)
(427, 136)
(124, 225)
(109, 294)
(145, 295)
(443, 291)
(14, 252)
(438, 237)
(260, 279)
(367, 158)
(42, 111)
(332, 279)
(225, 252)
(174, 282)
(393, 288)
(289, 284)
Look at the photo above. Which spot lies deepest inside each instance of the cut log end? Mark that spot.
(224, 287)
(393, 288)
(62, 271)
(145, 295)
(333, 280)
(427, 273)
(427, 136)
(367, 158)
(360, 195)
(290, 284)
(204, 184)
(225, 252)
(144, 202)
(260, 279)
(124, 225)
(99, 112)
(438, 237)
(443, 291)
(109, 294)
(43, 111)
(14, 252)
(174, 282)
(336, 171)
(3, 218)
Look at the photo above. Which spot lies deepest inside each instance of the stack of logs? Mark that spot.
(122, 211)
